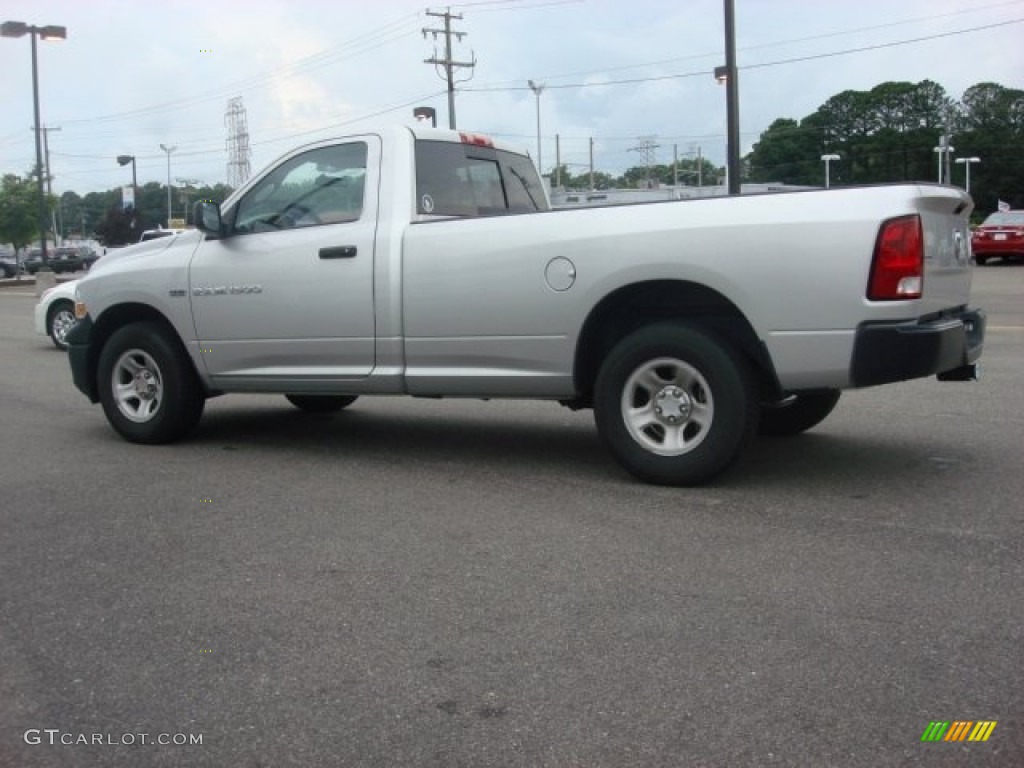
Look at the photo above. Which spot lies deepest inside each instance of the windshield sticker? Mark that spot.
(427, 204)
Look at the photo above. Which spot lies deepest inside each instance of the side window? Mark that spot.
(322, 186)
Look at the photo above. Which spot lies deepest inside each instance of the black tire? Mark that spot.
(175, 403)
(798, 413)
(692, 377)
(321, 403)
(980, 260)
(59, 319)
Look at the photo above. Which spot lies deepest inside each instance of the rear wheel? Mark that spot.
(674, 404)
(980, 260)
(59, 319)
(148, 387)
(797, 413)
(321, 403)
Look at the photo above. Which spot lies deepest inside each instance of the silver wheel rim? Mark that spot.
(667, 406)
(62, 321)
(138, 386)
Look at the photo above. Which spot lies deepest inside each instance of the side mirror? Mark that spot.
(206, 215)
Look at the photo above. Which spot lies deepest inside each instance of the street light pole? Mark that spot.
(944, 151)
(538, 88)
(967, 161)
(828, 159)
(168, 150)
(49, 32)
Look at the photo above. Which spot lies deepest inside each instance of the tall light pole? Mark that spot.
(538, 89)
(168, 150)
(828, 159)
(49, 32)
(966, 161)
(124, 160)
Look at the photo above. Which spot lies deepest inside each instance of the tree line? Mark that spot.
(890, 133)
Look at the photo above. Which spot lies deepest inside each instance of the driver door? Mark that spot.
(285, 298)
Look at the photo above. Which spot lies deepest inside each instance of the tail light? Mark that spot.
(897, 267)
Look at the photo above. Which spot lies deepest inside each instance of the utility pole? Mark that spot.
(447, 62)
(675, 165)
(732, 101)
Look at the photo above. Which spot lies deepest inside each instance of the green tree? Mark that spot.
(118, 227)
(992, 129)
(19, 211)
(788, 152)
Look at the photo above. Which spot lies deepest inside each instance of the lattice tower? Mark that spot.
(237, 144)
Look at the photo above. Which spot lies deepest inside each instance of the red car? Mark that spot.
(1001, 234)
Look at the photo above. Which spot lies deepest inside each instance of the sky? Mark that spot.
(134, 75)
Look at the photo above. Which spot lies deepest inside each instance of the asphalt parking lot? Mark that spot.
(443, 583)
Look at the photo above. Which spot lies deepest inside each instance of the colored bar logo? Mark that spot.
(958, 730)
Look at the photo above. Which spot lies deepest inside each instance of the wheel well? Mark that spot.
(631, 307)
(112, 320)
(55, 306)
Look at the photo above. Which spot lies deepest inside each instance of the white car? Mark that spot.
(55, 313)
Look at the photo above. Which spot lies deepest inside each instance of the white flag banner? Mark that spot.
(1003, 205)
(127, 198)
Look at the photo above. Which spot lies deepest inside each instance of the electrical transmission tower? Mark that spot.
(646, 149)
(237, 143)
(449, 64)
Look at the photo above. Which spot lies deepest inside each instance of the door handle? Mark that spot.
(338, 252)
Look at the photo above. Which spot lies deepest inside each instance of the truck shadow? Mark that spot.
(816, 461)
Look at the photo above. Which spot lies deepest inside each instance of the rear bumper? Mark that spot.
(989, 247)
(887, 352)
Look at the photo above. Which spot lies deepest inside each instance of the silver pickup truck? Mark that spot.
(417, 261)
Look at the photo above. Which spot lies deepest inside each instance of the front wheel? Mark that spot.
(674, 404)
(149, 390)
(59, 319)
(980, 260)
(321, 403)
(797, 413)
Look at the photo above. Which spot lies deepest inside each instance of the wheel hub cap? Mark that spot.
(145, 385)
(672, 405)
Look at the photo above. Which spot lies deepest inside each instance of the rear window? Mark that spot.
(1005, 219)
(472, 181)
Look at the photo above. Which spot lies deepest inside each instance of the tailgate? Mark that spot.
(947, 247)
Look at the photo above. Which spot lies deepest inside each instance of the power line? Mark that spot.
(705, 73)
(388, 33)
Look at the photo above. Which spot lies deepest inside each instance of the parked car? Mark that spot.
(55, 313)
(8, 264)
(66, 259)
(153, 234)
(60, 259)
(1002, 235)
(88, 256)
